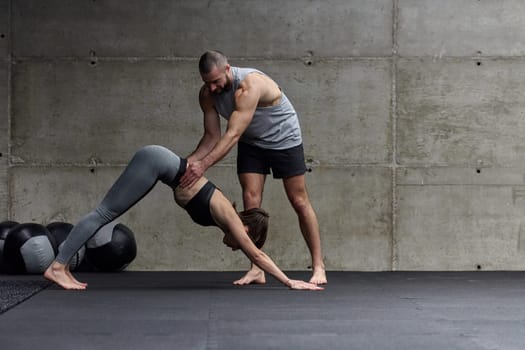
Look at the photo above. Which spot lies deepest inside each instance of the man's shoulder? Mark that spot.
(243, 72)
(204, 91)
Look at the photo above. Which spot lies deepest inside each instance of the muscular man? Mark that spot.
(265, 125)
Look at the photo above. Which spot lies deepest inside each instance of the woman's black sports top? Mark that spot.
(199, 206)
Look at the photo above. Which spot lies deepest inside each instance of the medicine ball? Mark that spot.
(5, 226)
(60, 230)
(29, 248)
(112, 248)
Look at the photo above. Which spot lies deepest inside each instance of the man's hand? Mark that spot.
(193, 173)
(302, 285)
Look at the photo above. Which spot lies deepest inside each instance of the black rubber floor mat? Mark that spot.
(13, 293)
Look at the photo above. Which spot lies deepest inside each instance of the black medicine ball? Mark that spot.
(5, 227)
(112, 248)
(29, 248)
(60, 230)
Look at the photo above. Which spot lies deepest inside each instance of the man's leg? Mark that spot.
(252, 191)
(295, 187)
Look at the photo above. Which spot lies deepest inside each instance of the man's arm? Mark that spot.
(212, 127)
(246, 99)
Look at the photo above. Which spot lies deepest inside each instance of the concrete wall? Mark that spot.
(412, 114)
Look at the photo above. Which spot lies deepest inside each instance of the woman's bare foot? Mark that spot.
(60, 274)
(318, 276)
(255, 275)
(74, 279)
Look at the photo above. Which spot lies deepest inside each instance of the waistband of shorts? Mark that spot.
(180, 173)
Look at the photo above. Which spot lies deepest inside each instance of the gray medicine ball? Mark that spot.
(29, 248)
(112, 248)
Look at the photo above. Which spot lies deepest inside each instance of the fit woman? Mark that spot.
(204, 202)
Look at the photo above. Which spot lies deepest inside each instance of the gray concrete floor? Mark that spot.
(202, 310)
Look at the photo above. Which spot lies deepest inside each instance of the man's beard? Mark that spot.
(227, 86)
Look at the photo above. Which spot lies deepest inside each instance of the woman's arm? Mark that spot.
(228, 220)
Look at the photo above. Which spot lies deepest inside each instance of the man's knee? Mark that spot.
(251, 199)
(252, 189)
(300, 202)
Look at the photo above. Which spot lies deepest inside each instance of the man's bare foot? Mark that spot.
(255, 276)
(318, 276)
(58, 273)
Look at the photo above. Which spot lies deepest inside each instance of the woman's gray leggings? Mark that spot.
(148, 165)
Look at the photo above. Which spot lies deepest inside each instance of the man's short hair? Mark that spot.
(211, 59)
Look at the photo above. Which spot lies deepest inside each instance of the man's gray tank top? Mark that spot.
(274, 127)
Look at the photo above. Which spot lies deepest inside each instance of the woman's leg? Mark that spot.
(148, 165)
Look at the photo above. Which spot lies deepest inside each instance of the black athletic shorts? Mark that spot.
(283, 163)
